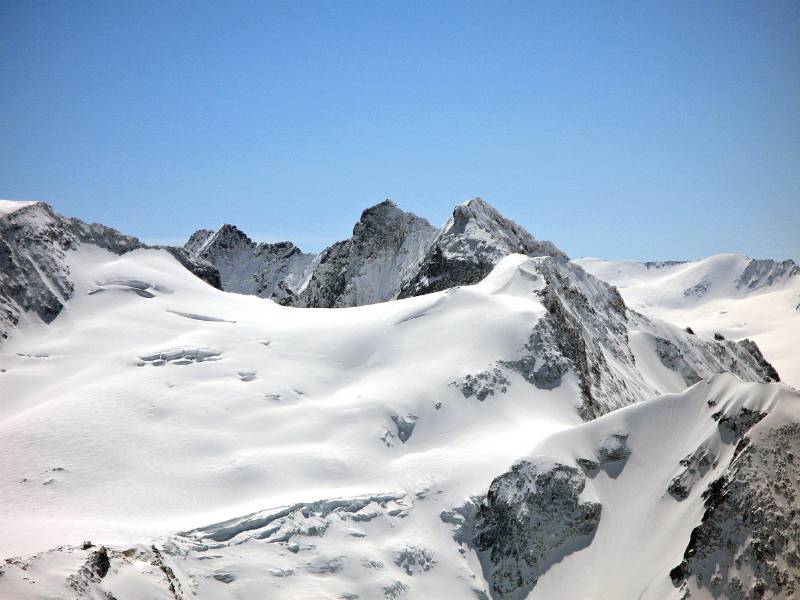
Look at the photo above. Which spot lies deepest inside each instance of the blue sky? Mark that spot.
(641, 130)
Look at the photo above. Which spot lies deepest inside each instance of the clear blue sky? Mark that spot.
(641, 130)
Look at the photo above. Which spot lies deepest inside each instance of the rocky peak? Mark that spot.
(761, 273)
(386, 248)
(472, 241)
(35, 277)
(226, 238)
(197, 239)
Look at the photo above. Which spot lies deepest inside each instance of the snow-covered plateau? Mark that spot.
(414, 412)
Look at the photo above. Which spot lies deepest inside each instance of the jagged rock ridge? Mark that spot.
(247, 267)
(391, 254)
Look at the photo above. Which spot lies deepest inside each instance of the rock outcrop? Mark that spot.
(748, 543)
(470, 244)
(531, 518)
(391, 254)
(246, 267)
(385, 250)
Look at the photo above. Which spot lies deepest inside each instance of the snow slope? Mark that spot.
(635, 532)
(734, 295)
(256, 405)
(348, 453)
(9, 206)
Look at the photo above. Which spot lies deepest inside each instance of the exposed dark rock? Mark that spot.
(614, 448)
(246, 267)
(531, 518)
(696, 465)
(590, 467)
(484, 384)
(405, 426)
(469, 245)
(766, 272)
(413, 559)
(93, 571)
(770, 374)
(35, 278)
(752, 513)
(386, 248)
(672, 358)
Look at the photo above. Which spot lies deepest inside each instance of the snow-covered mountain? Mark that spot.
(523, 433)
(729, 294)
(386, 248)
(35, 278)
(392, 254)
(246, 267)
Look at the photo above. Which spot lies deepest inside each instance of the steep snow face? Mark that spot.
(249, 268)
(472, 241)
(733, 295)
(387, 247)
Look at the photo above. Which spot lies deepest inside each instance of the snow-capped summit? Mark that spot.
(522, 431)
(386, 248)
(247, 267)
(391, 254)
(472, 241)
(35, 279)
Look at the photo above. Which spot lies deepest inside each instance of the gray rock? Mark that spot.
(614, 448)
(34, 276)
(751, 525)
(696, 465)
(531, 518)
(405, 426)
(413, 559)
(484, 384)
(469, 245)
(246, 267)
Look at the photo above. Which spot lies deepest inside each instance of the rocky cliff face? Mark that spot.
(391, 254)
(752, 514)
(385, 250)
(246, 267)
(472, 241)
(34, 276)
(740, 444)
(587, 331)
